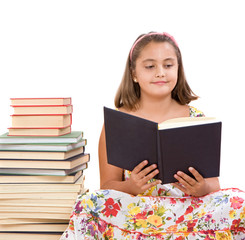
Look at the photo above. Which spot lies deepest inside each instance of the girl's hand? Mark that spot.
(195, 187)
(138, 181)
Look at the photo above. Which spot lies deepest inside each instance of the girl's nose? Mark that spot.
(160, 73)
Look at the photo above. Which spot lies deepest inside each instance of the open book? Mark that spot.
(174, 145)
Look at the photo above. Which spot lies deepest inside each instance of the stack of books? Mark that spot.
(40, 176)
(41, 116)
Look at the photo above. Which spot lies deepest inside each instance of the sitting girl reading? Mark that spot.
(133, 205)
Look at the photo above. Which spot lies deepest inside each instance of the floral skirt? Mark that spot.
(109, 214)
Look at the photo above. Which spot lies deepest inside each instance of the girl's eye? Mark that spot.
(149, 66)
(168, 65)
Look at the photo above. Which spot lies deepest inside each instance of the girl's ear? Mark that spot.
(133, 74)
(134, 78)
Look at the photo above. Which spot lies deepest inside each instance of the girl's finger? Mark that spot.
(146, 178)
(151, 184)
(179, 187)
(182, 181)
(147, 170)
(191, 181)
(139, 167)
(196, 174)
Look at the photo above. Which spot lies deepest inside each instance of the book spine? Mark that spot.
(41, 98)
(39, 106)
(159, 159)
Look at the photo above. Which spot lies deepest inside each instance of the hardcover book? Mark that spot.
(42, 109)
(72, 137)
(174, 145)
(41, 121)
(8, 165)
(45, 132)
(39, 179)
(40, 155)
(40, 101)
(36, 147)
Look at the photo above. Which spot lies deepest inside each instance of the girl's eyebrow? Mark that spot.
(153, 60)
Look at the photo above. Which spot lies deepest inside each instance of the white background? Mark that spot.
(78, 49)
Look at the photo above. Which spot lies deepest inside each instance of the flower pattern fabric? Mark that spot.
(162, 212)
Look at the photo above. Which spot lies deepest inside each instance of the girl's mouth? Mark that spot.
(159, 82)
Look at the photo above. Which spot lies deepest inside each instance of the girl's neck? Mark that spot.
(156, 110)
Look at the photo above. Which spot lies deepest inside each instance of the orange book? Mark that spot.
(48, 132)
(41, 121)
(42, 109)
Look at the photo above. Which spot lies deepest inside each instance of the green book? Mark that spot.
(59, 147)
(73, 137)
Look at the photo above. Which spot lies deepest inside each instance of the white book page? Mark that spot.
(185, 122)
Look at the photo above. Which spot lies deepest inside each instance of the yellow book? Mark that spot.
(29, 236)
(37, 215)
(39, 195)
(30, 209)
(38, 202)
(43, 227)
(31, 221)
(32, 188)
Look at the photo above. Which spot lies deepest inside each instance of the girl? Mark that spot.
(137, 206)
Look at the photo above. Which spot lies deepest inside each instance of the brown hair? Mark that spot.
(128, 93)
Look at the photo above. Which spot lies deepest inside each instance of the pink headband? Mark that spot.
(149, 34)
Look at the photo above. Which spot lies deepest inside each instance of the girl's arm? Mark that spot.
(111, 177)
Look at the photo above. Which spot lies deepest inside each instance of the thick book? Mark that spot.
(175, 145)
(73, 137)
(41, 121)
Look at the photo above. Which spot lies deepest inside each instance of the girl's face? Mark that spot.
(156, 69)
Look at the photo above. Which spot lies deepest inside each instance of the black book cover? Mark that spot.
(130, 140)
